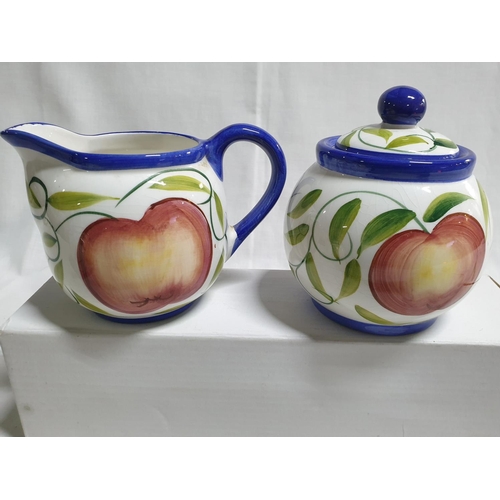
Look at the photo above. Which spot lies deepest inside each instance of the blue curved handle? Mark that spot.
(216, 147)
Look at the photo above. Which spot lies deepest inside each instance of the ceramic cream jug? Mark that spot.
(389, 228)
(134, 224)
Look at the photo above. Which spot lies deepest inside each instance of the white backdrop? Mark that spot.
(297, 103)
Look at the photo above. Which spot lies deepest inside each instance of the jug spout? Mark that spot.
(108, 151)
(35, 135)
(44, 138)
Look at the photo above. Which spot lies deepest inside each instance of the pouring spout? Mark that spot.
(41, 137)
(107, 151)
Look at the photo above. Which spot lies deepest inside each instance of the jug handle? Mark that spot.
(216, 147)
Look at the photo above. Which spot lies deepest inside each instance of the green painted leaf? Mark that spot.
(442, 204)
(48, 240)
(383, 226)
(341, 223)
(446, 143)
(59, 273)
(485, 205)
(373, 318)
(180, 183)
(380, 132)
(346, 141)
(219, 209)
(88, 305)
(296, 235)
(32, 198)
(73, 200)
(305, 203)
(312, 273)
(405, 140)
(352, 279)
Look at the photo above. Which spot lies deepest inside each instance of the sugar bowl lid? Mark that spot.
(397, 149)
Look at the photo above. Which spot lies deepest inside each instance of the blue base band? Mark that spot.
(159, 317)
(373, 328)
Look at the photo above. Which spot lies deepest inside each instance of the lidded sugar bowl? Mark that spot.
(389, 228)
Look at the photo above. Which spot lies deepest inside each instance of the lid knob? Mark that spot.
(402, 106)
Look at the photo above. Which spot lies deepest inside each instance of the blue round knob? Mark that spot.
(401, 106)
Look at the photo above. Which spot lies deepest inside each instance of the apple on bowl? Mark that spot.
(416, 273)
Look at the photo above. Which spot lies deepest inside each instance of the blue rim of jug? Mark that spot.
(106, 161)
(395, 166)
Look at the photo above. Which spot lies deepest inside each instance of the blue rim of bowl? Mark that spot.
(395, 167)
(385, 330)
(105, 161)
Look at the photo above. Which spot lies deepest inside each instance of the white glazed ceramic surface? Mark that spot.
(337, 224)
(128, 196)
(134, 224)
(389, 229)
(385, 138)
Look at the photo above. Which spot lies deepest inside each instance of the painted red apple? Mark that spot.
(137, 267)
(415, 273)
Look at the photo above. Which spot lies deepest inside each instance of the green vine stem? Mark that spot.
(36, 180)
(432, 138)
(400, 205)
(330, 258)
(312, 240)
(43, 216)
(208, 200)
(57, 241)
(86, 212)
(135, 188)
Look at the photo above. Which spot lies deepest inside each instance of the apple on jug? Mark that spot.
(134, 224)
(389, 228)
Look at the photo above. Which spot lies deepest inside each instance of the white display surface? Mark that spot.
(253, 357)
(10, 425)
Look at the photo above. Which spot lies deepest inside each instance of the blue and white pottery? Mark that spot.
(134, 224)
(389, 228)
